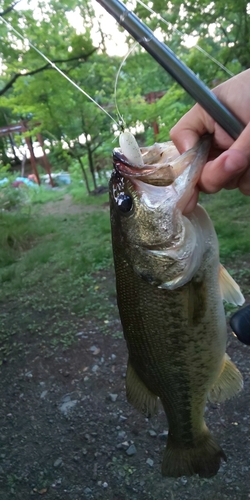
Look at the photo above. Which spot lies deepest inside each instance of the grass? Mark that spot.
(51, 267)
(41, 195)
(59, 251)
(54, 270)
(18, 232)
(230, 212)
(77, 191)
(81, 196)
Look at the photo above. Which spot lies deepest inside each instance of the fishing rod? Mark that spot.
(240, 321)
(176, 68)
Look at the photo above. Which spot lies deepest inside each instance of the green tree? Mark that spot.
(70, 123)
(32, 89)
(223, 25)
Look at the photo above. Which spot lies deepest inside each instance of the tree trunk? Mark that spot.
(84, 174)
(3, 151)
(91, 164)
(23, 165)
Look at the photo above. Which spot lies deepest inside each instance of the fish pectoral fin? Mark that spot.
(230, 291)
(202, 458)
(138, 395)
(228, 384)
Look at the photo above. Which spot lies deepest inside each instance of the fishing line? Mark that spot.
(198, 47)
(116, 82)
(25, 39)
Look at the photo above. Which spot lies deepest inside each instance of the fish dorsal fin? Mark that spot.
(230, 291)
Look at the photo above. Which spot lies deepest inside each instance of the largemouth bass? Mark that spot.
(170, 291)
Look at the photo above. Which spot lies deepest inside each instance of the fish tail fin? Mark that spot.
(203, 458)
(228, 384)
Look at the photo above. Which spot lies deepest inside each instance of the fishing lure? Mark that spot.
(130, 148)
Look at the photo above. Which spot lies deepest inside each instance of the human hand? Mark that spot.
(228, 164)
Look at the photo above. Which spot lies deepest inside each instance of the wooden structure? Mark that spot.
(22, 127)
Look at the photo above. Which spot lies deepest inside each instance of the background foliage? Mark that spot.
(74, 129)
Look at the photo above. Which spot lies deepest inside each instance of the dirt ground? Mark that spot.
(68, 433)
(65, 206)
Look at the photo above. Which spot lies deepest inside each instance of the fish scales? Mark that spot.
(162, 361)
(175, 330)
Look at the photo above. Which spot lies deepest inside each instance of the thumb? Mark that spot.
(231, 169)
(242, 144)
(224, 171)
(188, 130)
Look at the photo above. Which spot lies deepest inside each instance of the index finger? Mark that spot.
(191, 127)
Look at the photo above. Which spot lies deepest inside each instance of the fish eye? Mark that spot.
(124, 203)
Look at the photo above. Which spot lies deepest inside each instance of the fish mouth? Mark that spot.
(155, 174)
(165, 164)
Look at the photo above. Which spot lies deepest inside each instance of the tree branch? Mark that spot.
(9, 9)
(42, 68)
